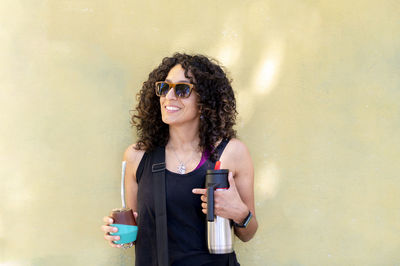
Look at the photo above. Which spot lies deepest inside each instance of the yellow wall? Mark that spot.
(318, 94)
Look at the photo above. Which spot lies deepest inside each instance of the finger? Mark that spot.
(111, 238)
(199, 191)
(135, 214)
(108, 219)
(109, 229)
(203, 198)
(204, 205)
(204, 211)
(217, 207)
(115, 245)
(231, 180)
(111, 243)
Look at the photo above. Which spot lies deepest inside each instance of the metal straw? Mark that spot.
(123, 184)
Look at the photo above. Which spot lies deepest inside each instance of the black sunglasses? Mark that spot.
(182, 90)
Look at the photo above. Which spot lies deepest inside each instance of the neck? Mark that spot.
(184, 138)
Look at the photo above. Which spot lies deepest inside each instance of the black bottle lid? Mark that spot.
(218, 178)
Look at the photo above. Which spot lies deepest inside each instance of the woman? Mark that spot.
(187, 105)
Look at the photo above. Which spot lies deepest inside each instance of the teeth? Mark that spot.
(172, 108)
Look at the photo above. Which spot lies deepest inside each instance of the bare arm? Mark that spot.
(235, 202)
(132, 158)
(243, 172)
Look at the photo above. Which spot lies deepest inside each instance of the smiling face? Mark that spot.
(174, 110)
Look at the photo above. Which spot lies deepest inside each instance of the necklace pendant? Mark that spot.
(181, 168)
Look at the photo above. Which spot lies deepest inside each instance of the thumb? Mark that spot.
(135, 214)
(231, 181)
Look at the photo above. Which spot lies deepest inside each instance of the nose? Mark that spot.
(171, 94)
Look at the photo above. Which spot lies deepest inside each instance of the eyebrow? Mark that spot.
(180, 81)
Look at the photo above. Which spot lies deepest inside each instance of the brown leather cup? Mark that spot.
(123, 216)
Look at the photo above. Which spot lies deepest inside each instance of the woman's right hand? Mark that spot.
(107, 229)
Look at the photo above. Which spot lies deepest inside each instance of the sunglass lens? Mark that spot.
(182, 90)
(162, 88)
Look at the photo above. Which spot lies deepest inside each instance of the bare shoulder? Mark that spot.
(237, 149)
(236, 155)
(133, 156)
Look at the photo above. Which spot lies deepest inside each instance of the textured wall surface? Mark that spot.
(318, 90)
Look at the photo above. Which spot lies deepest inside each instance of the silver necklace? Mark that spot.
(181, 166)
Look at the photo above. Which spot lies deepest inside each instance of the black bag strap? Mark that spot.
(160, 206)
(231, 260)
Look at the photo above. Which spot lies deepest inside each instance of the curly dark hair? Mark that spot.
(216, 103)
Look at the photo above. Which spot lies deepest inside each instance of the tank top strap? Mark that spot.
(141, 166)
(221, 147)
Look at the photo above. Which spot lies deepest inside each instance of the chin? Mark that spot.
(168, 120)
(176, 120)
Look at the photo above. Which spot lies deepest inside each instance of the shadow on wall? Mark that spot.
(263, 82)
(266, 74)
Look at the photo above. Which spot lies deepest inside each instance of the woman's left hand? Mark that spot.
(227, 203)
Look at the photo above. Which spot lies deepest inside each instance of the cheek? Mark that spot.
(161, 103)
(194, 107)
(194, 110)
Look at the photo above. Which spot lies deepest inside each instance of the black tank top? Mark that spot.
(185, 220)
